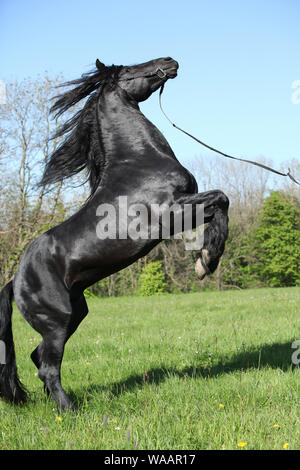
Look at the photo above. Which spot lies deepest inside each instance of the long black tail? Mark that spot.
(11, 388)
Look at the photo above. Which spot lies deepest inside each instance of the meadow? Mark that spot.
(209, 370)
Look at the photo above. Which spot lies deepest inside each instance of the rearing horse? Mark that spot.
(124, 154)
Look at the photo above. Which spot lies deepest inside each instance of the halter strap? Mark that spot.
(159, 72)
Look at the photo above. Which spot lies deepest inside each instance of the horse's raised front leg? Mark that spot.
(215, 206)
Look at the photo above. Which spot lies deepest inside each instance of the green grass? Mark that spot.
(151, 373)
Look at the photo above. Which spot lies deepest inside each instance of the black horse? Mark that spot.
(124, 154)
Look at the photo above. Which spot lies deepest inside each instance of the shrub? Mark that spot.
(152, 279)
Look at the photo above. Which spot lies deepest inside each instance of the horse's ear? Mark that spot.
(99, 65)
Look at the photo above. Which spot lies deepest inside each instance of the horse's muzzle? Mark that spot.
(171, 68)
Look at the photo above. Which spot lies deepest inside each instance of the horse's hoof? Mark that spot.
(67, 406)
(201, 266)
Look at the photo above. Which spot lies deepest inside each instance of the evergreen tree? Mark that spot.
(278, 241)
(152, 279)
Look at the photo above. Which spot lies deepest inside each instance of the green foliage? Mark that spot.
(238, 258)
(89, 294)
(152, 279)
(278, 241)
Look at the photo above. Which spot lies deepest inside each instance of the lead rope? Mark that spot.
(222, 153)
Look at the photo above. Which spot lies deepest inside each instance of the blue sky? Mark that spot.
(238, 60)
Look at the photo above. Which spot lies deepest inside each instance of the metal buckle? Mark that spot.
(160, 73)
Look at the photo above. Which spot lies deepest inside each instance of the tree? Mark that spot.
(278, 241)
(25, 209)
(152, 279)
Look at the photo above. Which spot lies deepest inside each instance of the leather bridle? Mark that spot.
(159, 72)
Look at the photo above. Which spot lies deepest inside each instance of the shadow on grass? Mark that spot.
(276, 356)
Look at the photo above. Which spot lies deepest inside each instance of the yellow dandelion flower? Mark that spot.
(59, 419)
(285, 446)
(242, 444)
(87, 364)
(276, 426)
(221, 405)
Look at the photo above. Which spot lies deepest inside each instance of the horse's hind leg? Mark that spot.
(35, 357)
(50, 355)
(79, 312)
(49, 371)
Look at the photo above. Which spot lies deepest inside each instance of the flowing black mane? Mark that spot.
(80, 149)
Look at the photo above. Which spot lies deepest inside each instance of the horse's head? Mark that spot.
(140, 81)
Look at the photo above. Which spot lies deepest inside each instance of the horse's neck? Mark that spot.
(126, 132)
